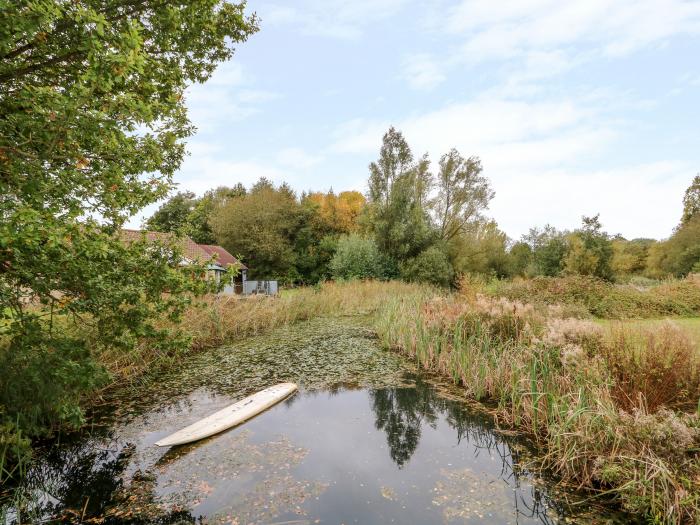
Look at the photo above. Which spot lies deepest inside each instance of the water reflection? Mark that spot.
(402, 413)
(341, 452)
(398, 414)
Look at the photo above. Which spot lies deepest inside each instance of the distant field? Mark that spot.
(689, 325)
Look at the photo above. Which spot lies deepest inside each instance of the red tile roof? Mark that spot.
(190, 249)
(223, 258)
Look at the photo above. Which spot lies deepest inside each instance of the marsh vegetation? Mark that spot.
(612, 406)
(561, 334)
(367, 438)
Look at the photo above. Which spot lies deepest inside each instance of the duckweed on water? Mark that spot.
(318, 354)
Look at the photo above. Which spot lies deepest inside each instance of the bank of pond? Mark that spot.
(367, 439)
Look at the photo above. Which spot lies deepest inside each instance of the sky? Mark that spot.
(575, 108)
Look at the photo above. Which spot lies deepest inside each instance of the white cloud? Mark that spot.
(297, 158)
(690, 79)
(638, 200)
(199, 174)
(483, 123)
(422, 71)
(615, 27)
(540, 39)
(359, 136)
(227, 96)
(330, 18)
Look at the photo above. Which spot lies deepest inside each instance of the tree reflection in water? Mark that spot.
(83, 483)
(403, 412)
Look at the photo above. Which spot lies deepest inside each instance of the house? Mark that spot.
(223, 261)
(216, 258)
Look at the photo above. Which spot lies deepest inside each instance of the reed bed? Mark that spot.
(609, 410)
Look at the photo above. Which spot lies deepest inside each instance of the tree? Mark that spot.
(590, 250)
(630, 257)
(521, 259)
(186, 214)
(680, 254)
(549, 246)
(398, 189)
(262, 227)
(335, 213)
(326, 217)
(481, 249)
(175, 215)
(92, 122)
(579, 260)
(462, 194)
(691, 201)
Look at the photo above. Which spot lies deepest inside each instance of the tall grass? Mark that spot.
(599, 406)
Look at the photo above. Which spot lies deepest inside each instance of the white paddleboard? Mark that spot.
(230, 416)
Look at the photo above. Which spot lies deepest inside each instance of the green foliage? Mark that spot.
(313, 255)
(593, 403)
(630, 257)
(679, 255)
(691, 201)
(589, 251)
(415, 231)
(549, 248)
(463, 193)
(278, 235)
(398, 191)
(481, 250)
(92, 122)
(358, 257)
(262, 227)
(326, 217)
(186, 214)
(520, 259)
(334, 214)
(182, 214)
(431, 266)
(15, 449)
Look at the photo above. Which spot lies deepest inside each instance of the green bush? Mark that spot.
(358, 257)
(44, 383)
(430, 266)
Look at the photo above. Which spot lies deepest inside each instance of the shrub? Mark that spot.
(430, 266)
(358, 257)
(651, 367)
(15, 450)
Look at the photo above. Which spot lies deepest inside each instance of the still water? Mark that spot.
(366, 440)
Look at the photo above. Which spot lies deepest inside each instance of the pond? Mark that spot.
(366, 440)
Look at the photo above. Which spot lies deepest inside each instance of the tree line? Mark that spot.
(415, 225)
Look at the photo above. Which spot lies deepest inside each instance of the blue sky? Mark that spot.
(578, 107)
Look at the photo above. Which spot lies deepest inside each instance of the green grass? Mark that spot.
(583, 296)
(691, 325)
